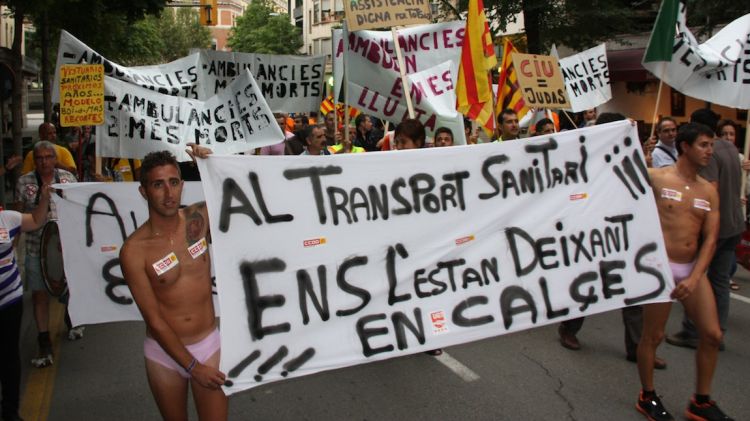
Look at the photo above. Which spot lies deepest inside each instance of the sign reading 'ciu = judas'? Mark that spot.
(81, 94)
(541, 81)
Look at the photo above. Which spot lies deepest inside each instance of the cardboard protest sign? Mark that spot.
(94, 221)
(326, 262)
(368, 14)
(423, 47)
(288, 83)
(139, 121)
(541, 81)
(82, 95)
(717, 70)
(586, 77)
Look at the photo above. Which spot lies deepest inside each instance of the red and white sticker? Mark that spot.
(702, 204)
(165, 263)
(198, 248)
(671, 194)
(439, 324)
(314, 242)
(578, 196)
(4, 235)
(108, 249)
(463, 240)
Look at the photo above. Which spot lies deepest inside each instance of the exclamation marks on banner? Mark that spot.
(627, 173)
(267, 365)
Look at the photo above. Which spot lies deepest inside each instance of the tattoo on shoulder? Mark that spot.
(194, 226)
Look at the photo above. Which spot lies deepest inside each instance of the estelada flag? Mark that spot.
(327, 105)
(474, 87)
(508, 90)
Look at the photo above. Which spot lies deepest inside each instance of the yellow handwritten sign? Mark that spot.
(81, 94)
(541, 81)
(368, 14)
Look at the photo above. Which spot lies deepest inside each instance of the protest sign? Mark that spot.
(586, 77)
(541, 81)
(717, 70)
(433, 96)
(288, 83)
(423, 47)
(326, 262)
(82, 94)
(139, 121)
(178, 78)
(368, 14)
(94, 221)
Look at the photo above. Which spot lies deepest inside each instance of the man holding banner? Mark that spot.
(167, 267)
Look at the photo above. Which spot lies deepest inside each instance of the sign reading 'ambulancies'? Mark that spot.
(541, 81)
(368, 14)
(81, 95)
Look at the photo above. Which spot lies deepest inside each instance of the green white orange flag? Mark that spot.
(661, 43)
(474, 87)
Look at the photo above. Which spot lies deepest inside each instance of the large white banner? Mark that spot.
(586, 77)
(374, 78)
(138, 121)
(327, 262)
(94, 220)
(717, 70)
(288, 83)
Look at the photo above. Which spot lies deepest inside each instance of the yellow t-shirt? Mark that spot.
(337, 148)
(64, 159)
(123, 167)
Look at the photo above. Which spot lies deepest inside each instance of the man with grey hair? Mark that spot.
(27, 193)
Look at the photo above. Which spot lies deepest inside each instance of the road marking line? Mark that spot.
(37, 396)
(739, 297)
(459, 369)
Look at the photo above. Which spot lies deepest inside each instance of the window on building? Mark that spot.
(316, 12)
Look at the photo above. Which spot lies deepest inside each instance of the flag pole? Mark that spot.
(344, 87)
(402, 70)
(656, 108)
(570, 119)
(745, 153)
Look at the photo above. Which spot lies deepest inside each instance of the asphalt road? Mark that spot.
(523, 376)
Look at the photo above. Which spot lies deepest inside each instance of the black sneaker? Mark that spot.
(705, 412)
(652, 408)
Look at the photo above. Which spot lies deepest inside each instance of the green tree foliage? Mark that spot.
(261, 30)
(581, 24)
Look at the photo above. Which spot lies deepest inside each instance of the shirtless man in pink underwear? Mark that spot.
(689, 214)
(168, 269)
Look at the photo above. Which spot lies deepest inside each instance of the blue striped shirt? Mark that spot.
(11, 288)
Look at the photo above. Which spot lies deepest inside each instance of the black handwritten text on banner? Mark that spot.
(94, 220)
(371, 257)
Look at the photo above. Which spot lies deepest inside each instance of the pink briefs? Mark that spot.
(680, 271)
(202, 351)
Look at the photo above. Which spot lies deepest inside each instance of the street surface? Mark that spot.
(524, 376)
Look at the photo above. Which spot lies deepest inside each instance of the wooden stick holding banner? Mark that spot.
(569, 118)
(656, 108)
(745, 153)
(404, 79)
(346, 81)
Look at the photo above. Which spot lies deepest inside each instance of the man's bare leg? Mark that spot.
(654, 320)
(701, 308)
(169, 390)
(212, 404)
(40, 299)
